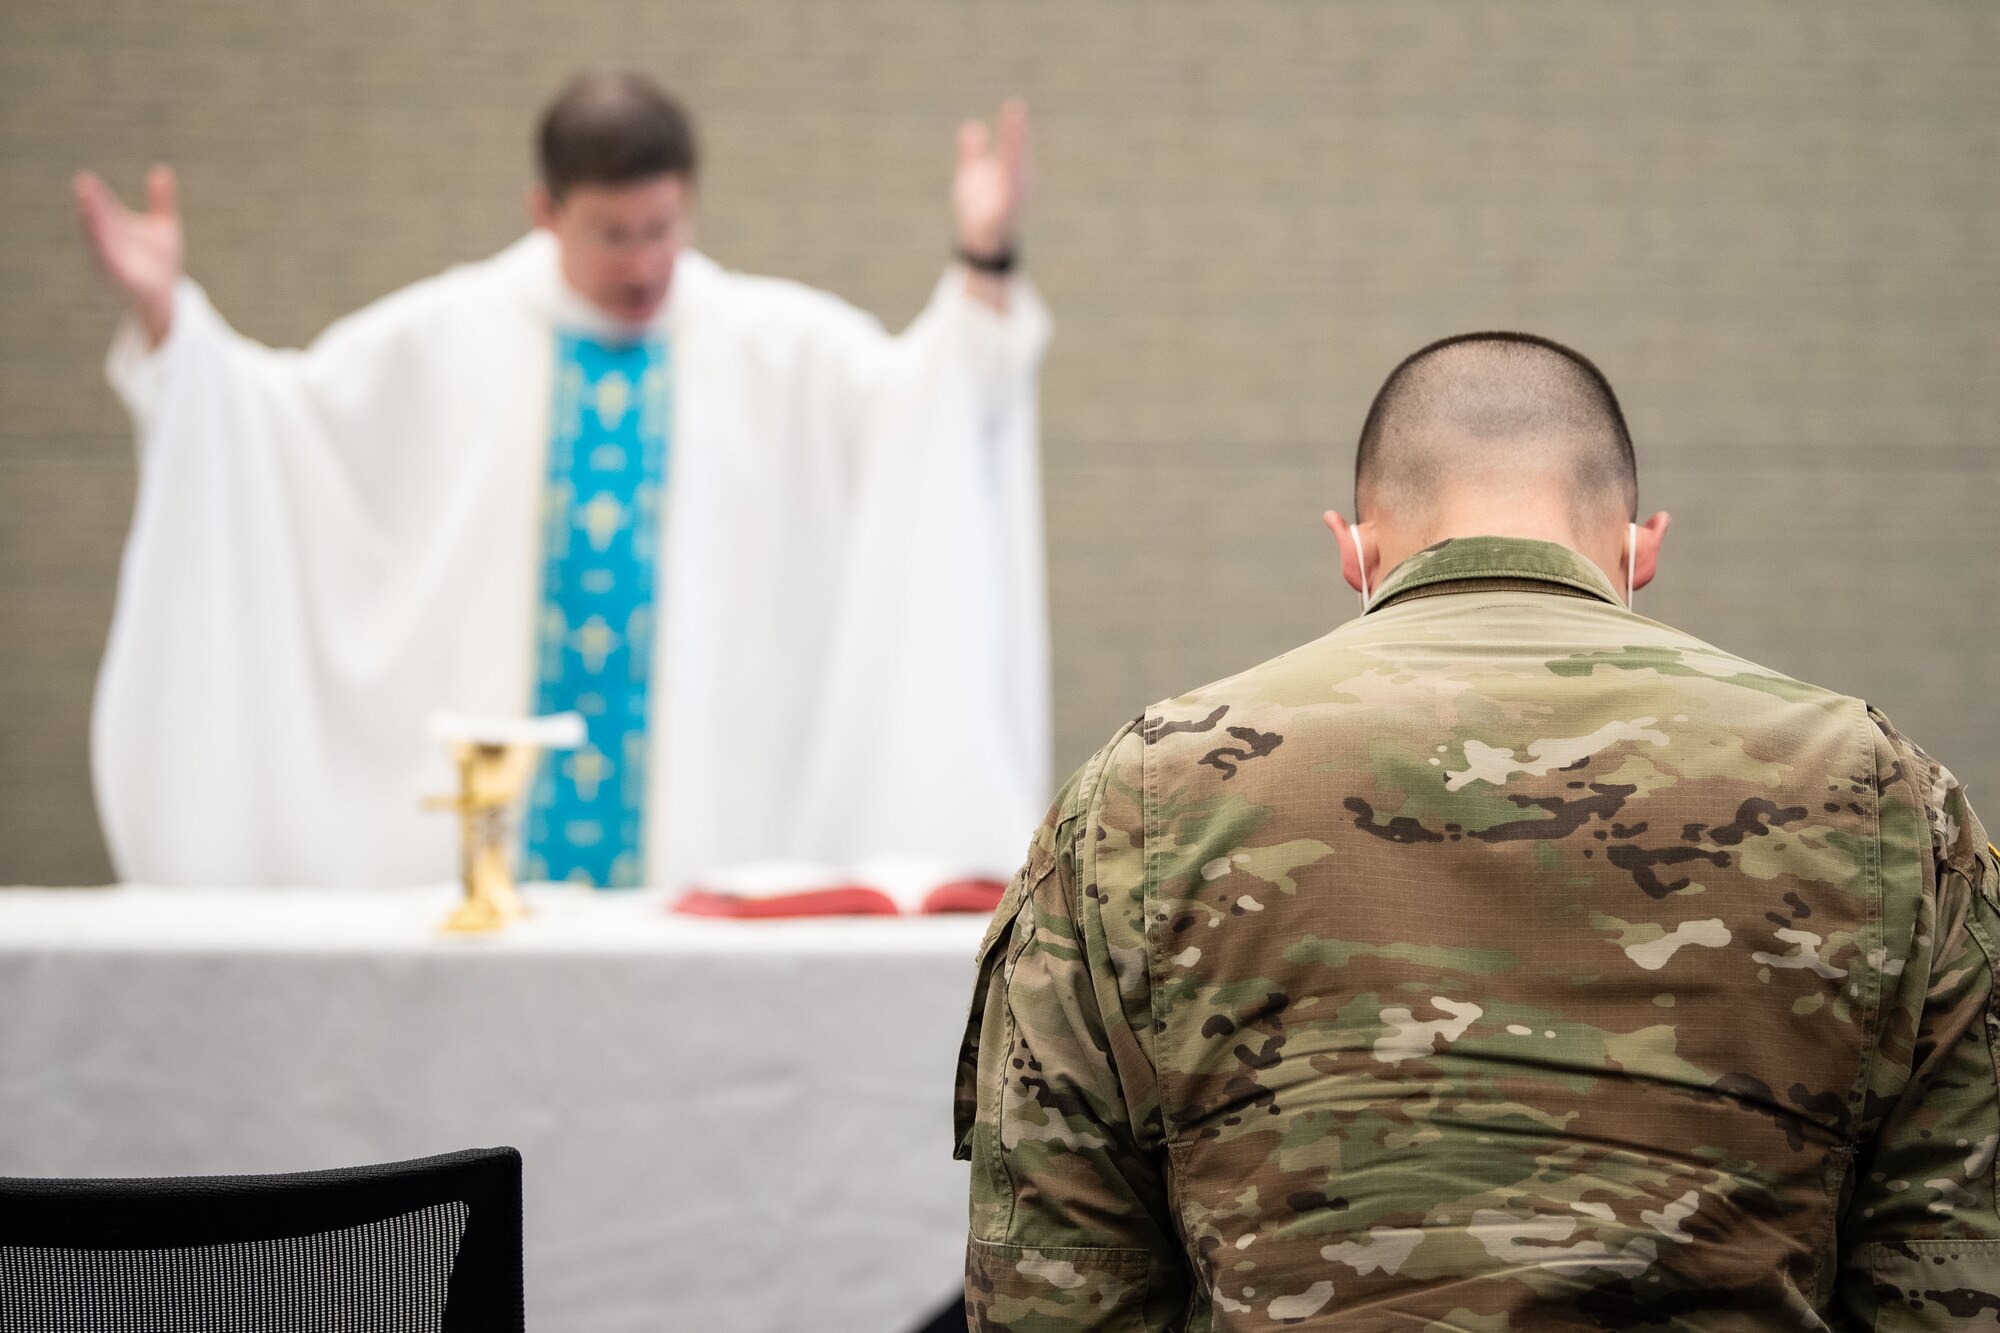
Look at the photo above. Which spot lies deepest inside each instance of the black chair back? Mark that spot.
(425, 1246)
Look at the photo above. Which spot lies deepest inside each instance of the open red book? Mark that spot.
(885, 887)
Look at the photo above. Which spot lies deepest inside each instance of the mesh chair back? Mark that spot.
(427, 1246)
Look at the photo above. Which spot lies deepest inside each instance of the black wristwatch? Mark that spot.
(997, 264)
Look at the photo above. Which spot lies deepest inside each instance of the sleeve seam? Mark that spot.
(1009, 1032)
(1119, 1251)
(1991, 1020)
(1092, 789)
(1091, 793)
(1877, 1011)
(1148, 892)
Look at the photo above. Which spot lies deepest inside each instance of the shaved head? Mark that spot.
(1495, 412)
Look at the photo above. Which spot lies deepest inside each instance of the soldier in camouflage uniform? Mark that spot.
(1502, 960)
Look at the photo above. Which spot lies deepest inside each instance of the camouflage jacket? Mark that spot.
(1503, 960)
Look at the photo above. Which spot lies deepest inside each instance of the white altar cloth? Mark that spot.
(724, 1125)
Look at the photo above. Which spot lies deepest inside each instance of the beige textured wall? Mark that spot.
(1776, 225)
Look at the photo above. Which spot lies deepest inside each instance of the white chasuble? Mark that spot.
(849, 631)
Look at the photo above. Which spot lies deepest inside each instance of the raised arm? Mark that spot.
(138, 253)
(994, 179)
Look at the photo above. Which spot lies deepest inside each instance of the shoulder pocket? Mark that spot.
(994, 950)
(1935, 1284)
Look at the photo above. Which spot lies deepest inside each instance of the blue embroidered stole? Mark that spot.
(602, 507)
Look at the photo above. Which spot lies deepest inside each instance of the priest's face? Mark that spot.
(619, 242)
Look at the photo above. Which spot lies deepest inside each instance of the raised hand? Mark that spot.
(993, 181)
(139, 252)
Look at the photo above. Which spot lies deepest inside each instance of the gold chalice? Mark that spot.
(496, 757)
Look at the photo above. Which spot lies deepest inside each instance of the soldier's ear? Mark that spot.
(1646, 549)
(1348, 537)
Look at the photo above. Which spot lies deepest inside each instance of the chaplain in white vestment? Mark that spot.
(787, 566)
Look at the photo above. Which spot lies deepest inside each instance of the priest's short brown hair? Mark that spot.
(613, 127)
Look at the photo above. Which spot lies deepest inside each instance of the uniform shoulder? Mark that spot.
(1650, 646)
(1229, 709)
(1372, 660)
(1119, 761)
(1958, 840)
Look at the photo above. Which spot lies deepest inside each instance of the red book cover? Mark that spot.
(886, 887)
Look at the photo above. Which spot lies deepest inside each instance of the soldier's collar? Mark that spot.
(1484, 561)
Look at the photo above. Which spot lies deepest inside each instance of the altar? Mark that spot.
(724, 1125)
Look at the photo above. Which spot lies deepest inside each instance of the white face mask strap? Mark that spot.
(1361, 561)
(1631, 558)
